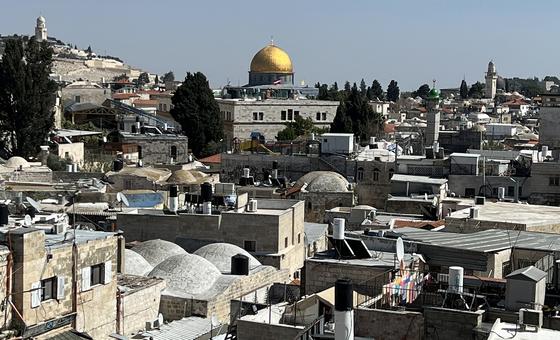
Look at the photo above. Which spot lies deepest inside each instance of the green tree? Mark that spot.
(422, 91)
(143, 79)
(121, 77)
(156, 80)
(355, 115)
(88, 50)
(363, 88)
(195, 108)
(477, 90)
(168, 77)
(299, 127)
(376, 91)
(393, 91)
(27, 96)
(464, 90)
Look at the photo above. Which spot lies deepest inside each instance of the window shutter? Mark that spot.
(60, 288)
(86, 278)
(108, 272)
(35, 294)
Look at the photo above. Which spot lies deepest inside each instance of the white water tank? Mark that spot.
(473, 212)
(338, 228)
(371, 140)
(501, 193)
(544, 151)
(252, 205)
(456, 279)
(207, 208)
(246, 172)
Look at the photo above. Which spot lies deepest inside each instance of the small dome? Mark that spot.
(220, 255)
(491, 67)
(156, 251)
(135, 264)
(16, 161)
(187, 177)
(187, 273)
(324, 181)
(271, 59)
(40, 20)
(433, 94)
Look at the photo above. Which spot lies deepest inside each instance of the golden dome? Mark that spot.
(271, 59)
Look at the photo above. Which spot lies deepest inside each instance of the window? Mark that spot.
(391, 173)
(290, 114)
(360, 174)
(318, 116)
(255, 115)
(299, 238)
(375, 174)
(261, 116)
(173, 151)
(554, 181)
(286, 242)
(511, 191)
(506, 268)
(77, 99)
(139, 152)
(469, 192)
(127, 184)
(97, 274)
(296, 114)
(283, 115)
(66, 154)
(48, 288)
(250, 246)
(324, 115)
(160, 107)
(164, 107)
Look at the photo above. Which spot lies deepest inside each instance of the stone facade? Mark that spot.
(443, 323)
(94, 306)
(395, 324)
(157, 149)
(241, 117)
(251, 330)
(277, 230)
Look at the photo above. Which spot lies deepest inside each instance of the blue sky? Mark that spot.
(412, 42)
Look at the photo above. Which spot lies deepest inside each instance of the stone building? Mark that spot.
(273, 234)
(137, 178)
(202, 284)
(82, 91)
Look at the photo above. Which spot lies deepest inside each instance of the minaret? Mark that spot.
(433, 116)
(40, 29)
(491, 81)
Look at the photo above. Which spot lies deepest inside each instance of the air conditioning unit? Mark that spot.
(252, 206)
(530, 317)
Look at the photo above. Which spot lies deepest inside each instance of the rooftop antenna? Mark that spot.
(272, 40)
(433, 83)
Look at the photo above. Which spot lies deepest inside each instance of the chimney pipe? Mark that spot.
(173, 198)
(343, 310)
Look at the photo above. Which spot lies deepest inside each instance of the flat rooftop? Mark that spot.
(511, 213)
(379, 259)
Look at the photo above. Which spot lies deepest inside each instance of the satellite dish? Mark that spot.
(400, 249)
(36, 205)
(27, 221)
(122, 198)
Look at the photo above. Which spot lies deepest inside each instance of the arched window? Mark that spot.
(139, 152)
(360, 174)
(376, 175)
(174, 152)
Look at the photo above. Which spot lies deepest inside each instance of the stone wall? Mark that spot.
(320, 275)
(388, 325)
(138, 307)
(249, 330)
(443, 323)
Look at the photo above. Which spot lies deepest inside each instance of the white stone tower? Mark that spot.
(40, 29)
(491, 80)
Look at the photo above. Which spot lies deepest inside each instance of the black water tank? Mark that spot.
(174, 191)
(117, 165)
(239, 265)
(343, 295)
(206, 192)
(274, 165)
(4, 213)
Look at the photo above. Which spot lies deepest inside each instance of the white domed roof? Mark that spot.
(156, 251)
(324, 181)
(187, 273)
(220, 255)
(16, 161)
(135, 264)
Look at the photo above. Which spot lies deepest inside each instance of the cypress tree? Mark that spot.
(195, 108)
(393, 91)
(376, 91)
(27, 96)
(464, 90)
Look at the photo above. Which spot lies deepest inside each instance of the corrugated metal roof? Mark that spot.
(418, 179)
(185, 329)
(530, 273)
(314, 231)
(488, 241)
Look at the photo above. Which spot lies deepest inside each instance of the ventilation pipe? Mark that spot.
(343, 310)
(206, 194)
(173, 204)
(275, 169)
(4, 213)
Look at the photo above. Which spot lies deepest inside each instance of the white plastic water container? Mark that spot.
(338, 228)
(456, 274)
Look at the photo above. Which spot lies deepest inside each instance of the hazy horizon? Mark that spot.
(411, 42)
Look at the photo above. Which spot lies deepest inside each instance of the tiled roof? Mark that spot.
(214, 159)
(124, 95)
